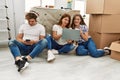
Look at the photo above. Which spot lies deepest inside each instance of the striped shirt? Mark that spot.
(84, 29)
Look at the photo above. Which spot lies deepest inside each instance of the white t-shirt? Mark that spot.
(32, 32)
(59, 31)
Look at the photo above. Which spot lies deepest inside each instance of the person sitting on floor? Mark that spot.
(86, 45)
(56, 44)
(29, 42)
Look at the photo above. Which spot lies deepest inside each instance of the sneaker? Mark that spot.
(24, 58)
(17, 63)
(107, 51)
(55, 52)
(51, 56)
(21, 64)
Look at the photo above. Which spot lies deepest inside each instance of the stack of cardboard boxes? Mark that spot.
(104, 25)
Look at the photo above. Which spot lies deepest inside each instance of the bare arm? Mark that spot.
(84, 35)
(55, 36)
(20, 38)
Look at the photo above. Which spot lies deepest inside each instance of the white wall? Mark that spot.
(15, 13)
(60, 3)
(10, 11)
(30, 3)
(47, 2)
(63, 3)
(16, 9)
(19, 12)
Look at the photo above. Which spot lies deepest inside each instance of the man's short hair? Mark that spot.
(31, 16)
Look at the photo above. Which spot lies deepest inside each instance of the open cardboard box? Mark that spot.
(115, 50)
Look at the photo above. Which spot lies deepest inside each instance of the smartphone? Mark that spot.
(27, 40)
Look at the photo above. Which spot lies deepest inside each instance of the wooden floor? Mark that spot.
(65, 67)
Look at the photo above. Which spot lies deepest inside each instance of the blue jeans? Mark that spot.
(89, 47)
(18, 48)
(52, 44)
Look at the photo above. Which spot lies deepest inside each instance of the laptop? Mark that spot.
(71, 34)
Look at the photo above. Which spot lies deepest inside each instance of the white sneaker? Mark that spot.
(25, 66)
(51, 56)
(55, 52)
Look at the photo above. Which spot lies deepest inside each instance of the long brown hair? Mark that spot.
(81, 23)
(64, 16)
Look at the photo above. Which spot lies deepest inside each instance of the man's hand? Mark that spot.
(31, 42)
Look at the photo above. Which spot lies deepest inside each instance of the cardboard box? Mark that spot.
(104, 23)
(103, 7)
(104, 39)
(115, 50)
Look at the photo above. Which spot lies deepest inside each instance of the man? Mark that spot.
(29, 42)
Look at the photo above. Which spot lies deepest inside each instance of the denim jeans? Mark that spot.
(18, 48)
(89, 47)
(52, 44)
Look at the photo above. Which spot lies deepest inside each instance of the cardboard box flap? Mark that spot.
(115, 46)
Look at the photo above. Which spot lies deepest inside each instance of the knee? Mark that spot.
(48, 36)
(43, 42)
(81, 52)
(11, 43)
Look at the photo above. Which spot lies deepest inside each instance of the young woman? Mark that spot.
(55, 41)
(86, 45)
